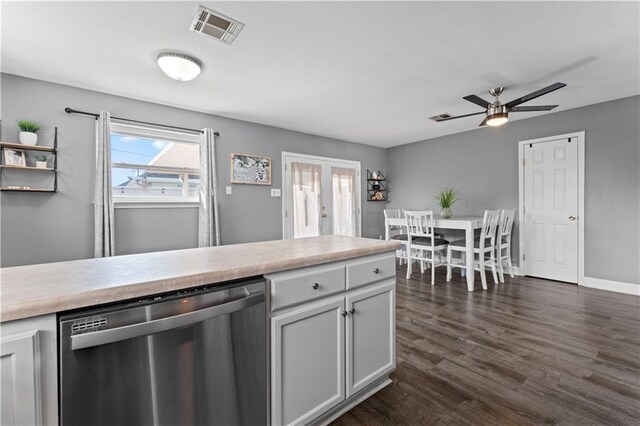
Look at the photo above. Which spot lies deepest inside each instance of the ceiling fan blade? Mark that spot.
(534, 95)
(459, 116)
(484, 122)
(478, 101)
(533, 108)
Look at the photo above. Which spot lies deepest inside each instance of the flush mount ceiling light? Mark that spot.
(179, 66)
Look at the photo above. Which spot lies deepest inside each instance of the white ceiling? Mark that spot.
(363, 72)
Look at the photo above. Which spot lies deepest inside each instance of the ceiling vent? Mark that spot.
(440, 117)
(216, 25)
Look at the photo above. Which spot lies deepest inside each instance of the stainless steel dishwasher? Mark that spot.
(195, 357)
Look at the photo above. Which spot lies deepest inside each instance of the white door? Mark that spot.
(371, 344)
(551, 209)
(307, 364)
(321, 196)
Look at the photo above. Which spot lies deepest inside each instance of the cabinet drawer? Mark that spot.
(305, 286)
(371, 270)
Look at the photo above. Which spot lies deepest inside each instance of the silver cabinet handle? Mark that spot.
(343, 313)
(315, 286)
(352, 311)
(96, 338)
(376, 271)
(572, 217)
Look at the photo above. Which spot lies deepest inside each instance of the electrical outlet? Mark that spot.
(228, 190)
(275, 192)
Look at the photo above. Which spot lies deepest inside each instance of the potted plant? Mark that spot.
(41, 161)
(446, 199)
(28, 132)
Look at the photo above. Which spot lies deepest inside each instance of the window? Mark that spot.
(152, 165)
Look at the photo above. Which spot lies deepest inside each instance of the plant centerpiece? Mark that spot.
(41, 161)
(446, 199)
(28, 132)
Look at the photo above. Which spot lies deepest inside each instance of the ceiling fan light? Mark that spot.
(179, 66)
(497, 119)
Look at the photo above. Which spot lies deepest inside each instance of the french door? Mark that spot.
(551, 209)
(321, 196)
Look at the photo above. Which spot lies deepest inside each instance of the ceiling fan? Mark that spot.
(496, 112)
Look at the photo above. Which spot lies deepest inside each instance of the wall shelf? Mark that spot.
(53, 150)
(40, 169)
(29, 147)
(376, 187)
(26, 189)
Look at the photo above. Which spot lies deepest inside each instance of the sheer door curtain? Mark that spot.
(307, 185)
(344, 200)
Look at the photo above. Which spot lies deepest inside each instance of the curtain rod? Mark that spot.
(94, 115)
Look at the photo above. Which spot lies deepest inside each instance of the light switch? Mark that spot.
(275, 192)
(228, 190)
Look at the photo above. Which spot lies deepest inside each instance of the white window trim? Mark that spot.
(160, 134)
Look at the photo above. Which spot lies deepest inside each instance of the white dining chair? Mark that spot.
(395, 232)
(422, 243)
(484, 246)
(503, 242)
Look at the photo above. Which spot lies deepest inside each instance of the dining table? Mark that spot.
(467, 223)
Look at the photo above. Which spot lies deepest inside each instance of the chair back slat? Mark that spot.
(489, 227)
(419, 223)
(391, 214)
(506, 223)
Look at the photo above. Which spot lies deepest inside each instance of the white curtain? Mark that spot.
(104, 233)
(306, 180)
(208, 226)
(344, 200)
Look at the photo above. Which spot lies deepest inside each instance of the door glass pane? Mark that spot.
(344, 200)
(306, 182)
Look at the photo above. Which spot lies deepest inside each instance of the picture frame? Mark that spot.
(14, 157)
(250, 169)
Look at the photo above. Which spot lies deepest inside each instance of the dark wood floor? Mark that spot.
(529, 351)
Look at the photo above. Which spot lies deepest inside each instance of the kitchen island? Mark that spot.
(316, 290)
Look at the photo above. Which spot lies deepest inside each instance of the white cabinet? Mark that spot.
(307, 362)
(370, 335)
(330, 352)
(29, 372)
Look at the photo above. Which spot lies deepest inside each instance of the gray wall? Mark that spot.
(482, 165)
(37, 228)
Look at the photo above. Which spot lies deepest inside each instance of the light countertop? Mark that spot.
(34, 290)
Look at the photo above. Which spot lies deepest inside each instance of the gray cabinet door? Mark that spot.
(19, 365)
(370, 335)
(307, 362)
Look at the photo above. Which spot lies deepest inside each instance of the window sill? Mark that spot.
(154, 203)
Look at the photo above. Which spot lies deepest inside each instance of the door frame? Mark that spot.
(580, 135)
(285, 192)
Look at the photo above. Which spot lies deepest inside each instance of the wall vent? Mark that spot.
(440, 117)
(216, 25)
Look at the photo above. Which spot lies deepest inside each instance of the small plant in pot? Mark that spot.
(41, 161)
(446, 199)
(28, 132)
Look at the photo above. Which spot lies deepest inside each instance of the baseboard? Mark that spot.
(617, 286)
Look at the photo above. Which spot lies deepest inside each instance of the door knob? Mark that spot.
(572, 218)
(343, 313)
(315, 286)
(352, 311)
(376, 271)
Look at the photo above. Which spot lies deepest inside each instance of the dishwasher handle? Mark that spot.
(97, 338)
